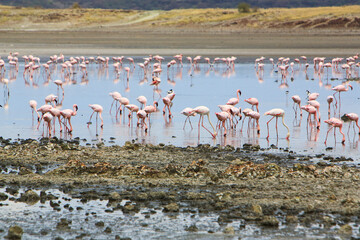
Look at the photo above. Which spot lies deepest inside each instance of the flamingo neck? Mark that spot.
(288, 134)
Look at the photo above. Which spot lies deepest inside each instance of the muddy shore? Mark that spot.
(124, 42)
(250, 183)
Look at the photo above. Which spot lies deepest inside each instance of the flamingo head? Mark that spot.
(156, 104)
(351, 86)
(239, 91)
(75, 106)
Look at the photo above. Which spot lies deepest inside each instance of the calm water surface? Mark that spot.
(202, 85)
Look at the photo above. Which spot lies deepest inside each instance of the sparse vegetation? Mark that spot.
(244, 7)
(22, 18)
(75, 5)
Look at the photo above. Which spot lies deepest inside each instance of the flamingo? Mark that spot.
(33, 105)
(256, 116)
(67, 114)
(312, 96)
(277, 112)
(43, 109)
(353, 117)
(340, 88)
(202, 110)
(167, 102)
(59, 83)
(51, 98)
(253, 102)
(132, 108)
(337, 123)
(98, 109)
(311, 110)
(142, 100)
(315, 104)
(329, 100)
(116, 96)
(56, 113)
(246, 112)
(151, 109)
(222, 117)
(141, 114)
(48, 118)
(188, 112)
(234, 101)
(297, 101)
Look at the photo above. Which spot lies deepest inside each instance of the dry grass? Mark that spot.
(25, 18)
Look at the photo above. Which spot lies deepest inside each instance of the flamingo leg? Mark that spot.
(343, 139)
(328, 133)
(268, 127)
(90, 118)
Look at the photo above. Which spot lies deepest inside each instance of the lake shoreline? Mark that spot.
(223, 180)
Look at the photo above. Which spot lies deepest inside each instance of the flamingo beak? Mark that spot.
(76, 108)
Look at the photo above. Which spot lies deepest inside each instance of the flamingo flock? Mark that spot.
(228, 117)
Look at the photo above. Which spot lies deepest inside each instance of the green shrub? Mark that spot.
(244, 7)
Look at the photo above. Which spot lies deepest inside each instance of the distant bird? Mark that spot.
(329, 100)
(151, 109)
(335, 123)
(98, 109)
(188, 112)
(277, 112)
(256, 116)
(234, 101)
(202, 111)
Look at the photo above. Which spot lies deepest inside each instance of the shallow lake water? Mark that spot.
(194, 86)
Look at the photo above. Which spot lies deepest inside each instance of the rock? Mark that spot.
(29, 197)
(192, 228)
(15, 232)
(114, 196)
(3, 196)
(229, 230)
(63, 224)
(24, 171)
(345, 229)
(270, 221)
(257, 209)
(292, 219)
(100, 224)
(172, 207)
(107, 230)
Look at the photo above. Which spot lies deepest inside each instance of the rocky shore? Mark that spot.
(249, 184)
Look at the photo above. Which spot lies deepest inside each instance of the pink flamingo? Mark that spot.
(312, 96)
(127, 69)
(132, 108)
(277, 112)
(98, 109)
(123, 101)
(141, 114)
(256, 116)
(43, 109)
(234, 101)
(202, 111)
(222, 117)
(335, 123)
(353, 117)
(56, 113)
(67, 114)
(51, 98)
(253, 102)
(297, 101)
(59, 83)
(340, 88)
(142, 100)
(246, 112)
(329, 100)
(116, 96)
(151, 109)
(315, 104)
(188, 112)
(33, 105)
(48, 118)
(312, 111)
(167, 102)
